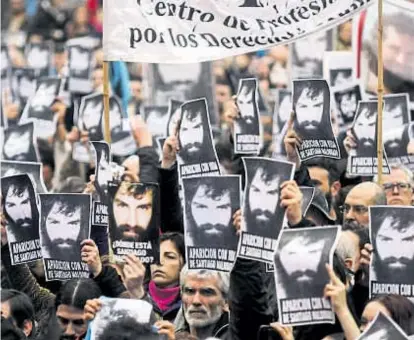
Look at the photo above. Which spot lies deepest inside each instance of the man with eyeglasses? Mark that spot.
(398, 186)
(355, 208)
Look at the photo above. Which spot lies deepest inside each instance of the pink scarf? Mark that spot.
(163, 297)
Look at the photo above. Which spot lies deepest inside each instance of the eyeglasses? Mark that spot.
(389, 187)
(358, 209)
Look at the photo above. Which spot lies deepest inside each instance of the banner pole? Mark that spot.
(107, 127)
(380, 91)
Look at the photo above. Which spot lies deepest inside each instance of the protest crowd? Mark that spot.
(239, 197)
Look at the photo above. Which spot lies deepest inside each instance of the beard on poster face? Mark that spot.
(347, 106)
(262, 203)
(132, 214)
(21, 212)
(309, 112)
(393, 249)
(62, 233)
(301, 279)
(394, 143)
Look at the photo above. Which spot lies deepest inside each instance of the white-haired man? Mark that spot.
(205, 310)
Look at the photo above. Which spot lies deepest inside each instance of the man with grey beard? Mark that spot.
(206, 309)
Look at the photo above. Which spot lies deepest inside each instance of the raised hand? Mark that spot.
(291, 200)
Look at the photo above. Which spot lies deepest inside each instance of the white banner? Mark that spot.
(180, 31)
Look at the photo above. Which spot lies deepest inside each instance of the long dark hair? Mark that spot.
(75, 293)
(401, 310)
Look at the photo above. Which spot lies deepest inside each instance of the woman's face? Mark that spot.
(370, 312)
(168, 272)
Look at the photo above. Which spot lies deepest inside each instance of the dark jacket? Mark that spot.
(248, 303)
(171, 209)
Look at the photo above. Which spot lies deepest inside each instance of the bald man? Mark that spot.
(362, 196)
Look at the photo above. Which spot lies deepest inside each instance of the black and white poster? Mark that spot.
(103, 175)
(197, 155)
(123, 143)
(396, 129)
(247, 136)
(184, 82)
(263, 217)
(363, 159)
(90, 116)
(91, 120)
(19, 143)
(134, 220)
(160, 145)
(113, 310)
(311, 105)
(156, 118)
(338, 68)
(64, 224)
(22, 218)
(346, 101)
(210, 237)
(306, 55)
(39, 111)
(392, 260)
(33, 170)
(39, 56)
(174, 116)
(80, 69)
(301, 275)
(281, 115)
(5, 67)
(383, 327)
(25, 84)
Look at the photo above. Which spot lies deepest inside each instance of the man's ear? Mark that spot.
(27, 327)
(349, 263)
(335, 187)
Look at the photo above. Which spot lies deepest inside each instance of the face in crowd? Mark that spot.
(212, 228)
(132, 208)
(301, 260)
(397, 187)
(63, 230)
(394, 248)
(191, 134)
(203, 301)
(309, 111)
(167, 273)
(263, 201)
(17, 146)
(357, 202)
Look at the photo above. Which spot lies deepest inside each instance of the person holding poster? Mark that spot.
(247, 127)
(263, 215)
(392, 235)
(133, 220)
(383, 327)
(65, 223)
(210, 236)
(197, 154)
(300, 262)
(22, 217)
(19, 144)
(312, 120)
